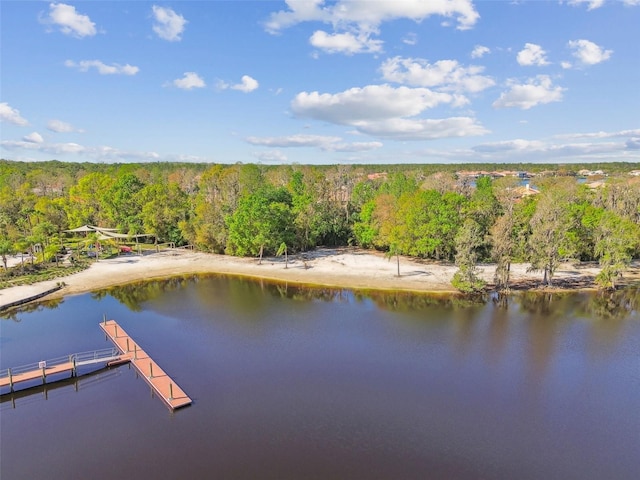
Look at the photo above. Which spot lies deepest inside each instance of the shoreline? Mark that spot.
(344, 267)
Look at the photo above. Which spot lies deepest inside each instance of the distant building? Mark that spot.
(526, 191)
(591, 173)
(376, 176)
(594, 185)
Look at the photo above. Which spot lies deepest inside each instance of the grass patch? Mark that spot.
(38, 272)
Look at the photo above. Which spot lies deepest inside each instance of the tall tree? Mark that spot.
(165, 207)
(86, 201)
(121, 206)
(551, 225)
(469, 239)
(261, 223)
(617, 239)
(502, 232)
(6, 248)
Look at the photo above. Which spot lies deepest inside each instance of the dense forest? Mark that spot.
(426, 211)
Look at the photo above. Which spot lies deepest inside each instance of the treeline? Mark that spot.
(422, 211)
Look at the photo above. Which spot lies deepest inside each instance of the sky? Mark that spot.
(321, 82)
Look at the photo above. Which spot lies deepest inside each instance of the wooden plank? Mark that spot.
(167, 389)
(36, 374)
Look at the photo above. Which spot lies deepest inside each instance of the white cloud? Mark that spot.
(346, 43)
(591, 4)
(373, 102)
(561, 148)
(354, 147)
(449, 75)
(168, 24)
(293, 141)
(412, 39)
(588, 53)
(536, 91)
(532, 54)
(423, 129)
(271, 156)
(12, 115)
(517, 145)
(59, 126)
(69, 21)
(189, 81)
(600, 135)
(103, 68)
(49, 148)
(33, 137)
(100, 153)
(368, 14)
(246, 85)
(354, 21)
(480, 51)
(384, 111)
(323, 142)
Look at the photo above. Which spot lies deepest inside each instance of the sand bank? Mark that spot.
(344, 267)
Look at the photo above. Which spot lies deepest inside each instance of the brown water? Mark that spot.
(292, 383)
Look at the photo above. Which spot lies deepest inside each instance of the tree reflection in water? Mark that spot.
(604, 305)
(14, 313)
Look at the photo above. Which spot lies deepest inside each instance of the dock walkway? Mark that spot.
(161, 383)
(68, 363)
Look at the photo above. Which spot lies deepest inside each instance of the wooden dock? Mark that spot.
(68, 364)
(161, 383)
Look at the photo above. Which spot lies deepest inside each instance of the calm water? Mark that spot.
(327, 384)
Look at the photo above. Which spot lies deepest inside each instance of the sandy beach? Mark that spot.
(342, 267)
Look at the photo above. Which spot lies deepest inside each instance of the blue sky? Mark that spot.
(321, 82)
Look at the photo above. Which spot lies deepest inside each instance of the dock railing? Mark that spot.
(82, 358)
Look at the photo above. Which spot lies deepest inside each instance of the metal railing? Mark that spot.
(83, 358)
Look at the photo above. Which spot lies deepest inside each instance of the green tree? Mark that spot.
(551, 240)
(502, 233)
(617, 238)
(217, 198)
(469, 239)
(6, 248)
(86, 202)
(121, 206)
(282, 250)
(165, 207)
(365, 229)
(483, 207)
(261, 223)
(432, 220)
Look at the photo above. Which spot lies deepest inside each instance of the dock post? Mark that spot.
(171, 391)
(44, 374)
(10, 379)
(74, 372)
(150, 370)
(116, 330)
(127, 344)
(104, 318)
(135, 351)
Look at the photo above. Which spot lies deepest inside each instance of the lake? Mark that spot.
(296, 383)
